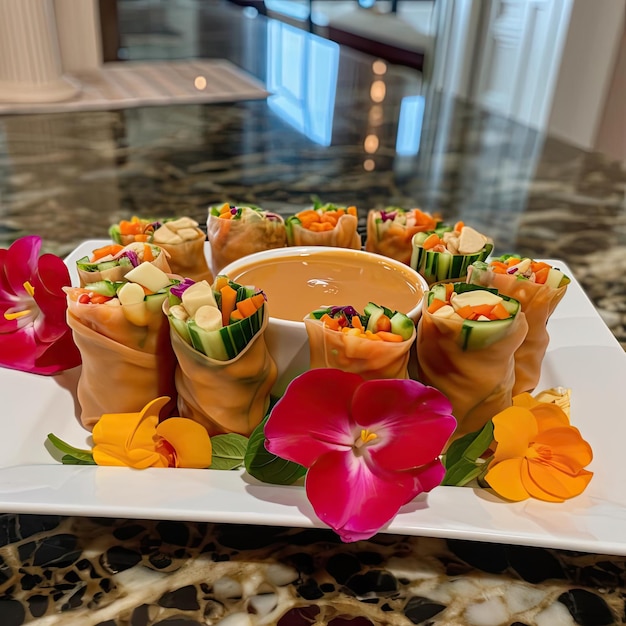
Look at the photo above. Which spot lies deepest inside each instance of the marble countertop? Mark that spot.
(68, 177)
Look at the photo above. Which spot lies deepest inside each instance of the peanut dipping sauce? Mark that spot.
(296, 285)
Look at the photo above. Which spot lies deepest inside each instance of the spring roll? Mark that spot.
(539, 288)
(123, 338)
(225, 371)
(234, 232)
(375, 345)
(182, 239)
(447, 252)
(114, 261)
(390, 232)
(324, 225)
(466, 340)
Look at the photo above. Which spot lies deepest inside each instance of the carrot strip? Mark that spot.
(229, 300)
(436, 304)
(499, 312)
(111, 249)
(147, 253)
(258, 300)
(246, 307)
(329, 321)
(466, 311)
(431, 241)
(356, 323)
(387, 336)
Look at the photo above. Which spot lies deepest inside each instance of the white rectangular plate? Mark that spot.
(583, 355)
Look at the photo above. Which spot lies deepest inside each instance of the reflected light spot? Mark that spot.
(375, 116)
(199, 82)
(369, 165)
(377, 91)
(371, 144)
(379, 67)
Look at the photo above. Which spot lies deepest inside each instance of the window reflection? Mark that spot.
(302, 76)
(410, 125)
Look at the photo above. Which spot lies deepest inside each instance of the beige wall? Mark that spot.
(587, 68)
(612, 132)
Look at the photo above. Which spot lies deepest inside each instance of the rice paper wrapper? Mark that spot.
(396, 241)
(369, 358)
(115, 378)
(110, 322)
(188, 259)
(232, 239)
(478, 382)
(344, 235)
(117, 273)
(538, 302)
(225, 396)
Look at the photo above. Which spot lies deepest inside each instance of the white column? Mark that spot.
(78, 29)
(30, 60)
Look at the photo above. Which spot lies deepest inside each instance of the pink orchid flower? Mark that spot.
(34, 335)
(370, 446)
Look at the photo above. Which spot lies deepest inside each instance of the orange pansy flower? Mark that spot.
(538, 453)
(138, 440)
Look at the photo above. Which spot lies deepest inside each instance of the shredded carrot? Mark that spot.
(458, 226)
(500, 312)
(436, 304)
(258, 300)
(449, 291)
(431, 241)
(387, 336)
(246, 307)
(236, 316)
(542, 275)
(356, 323)
(466, 311)
(329, 321)
(111, 249)
(97, 298)
(229, 299)
(147, 253)
(383, 323)
(221, 281)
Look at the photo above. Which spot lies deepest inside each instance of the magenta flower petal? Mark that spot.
(313, 416)
(21, 261)
(413, 422)
(33, 328)
(370, 447)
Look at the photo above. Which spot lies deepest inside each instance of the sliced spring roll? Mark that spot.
(447, 252)
(123, 337)
(539, 288)
(114, 261)
(375, 345)
(466, 340)
(234, 232)
(390, 231)
(225, 371)
(324, 225)
(136, 229)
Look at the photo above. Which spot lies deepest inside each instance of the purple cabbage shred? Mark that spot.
(385, 216)
(178, 290)
(348, 311)
(131, 255)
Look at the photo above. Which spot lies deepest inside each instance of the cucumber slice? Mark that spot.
(154, 301)
(402, 325)
(374, 313)
(104, 288)
(478, 335)
(437, 266)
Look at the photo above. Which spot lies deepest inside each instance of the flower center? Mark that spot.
(538, 451)
(18, 313)
(165, 449)
(364, 438)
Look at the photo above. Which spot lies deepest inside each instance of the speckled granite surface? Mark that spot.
(68, 177)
